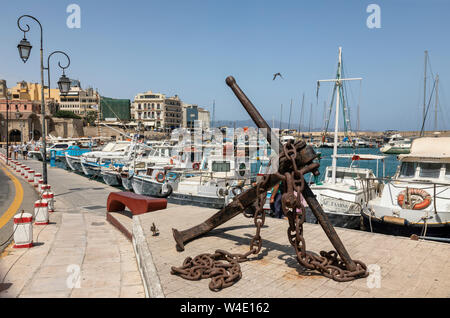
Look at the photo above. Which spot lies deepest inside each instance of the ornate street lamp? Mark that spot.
(24, 52)
(24, 49)
(64, 84)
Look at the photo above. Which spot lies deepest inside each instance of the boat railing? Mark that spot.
(436, 187)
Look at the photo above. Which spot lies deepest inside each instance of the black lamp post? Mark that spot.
(8, 95)
(24, 51)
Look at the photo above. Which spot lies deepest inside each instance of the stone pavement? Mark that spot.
(400, 267)
(78, 243)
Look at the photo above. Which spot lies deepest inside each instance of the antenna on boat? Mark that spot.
(338, 81)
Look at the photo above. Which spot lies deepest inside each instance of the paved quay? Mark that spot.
(15, 195)
(400, 267)
(78, 243)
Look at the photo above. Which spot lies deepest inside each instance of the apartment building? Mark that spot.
(79, 101)
(156, 111)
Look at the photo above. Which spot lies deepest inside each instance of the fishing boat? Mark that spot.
(224, 178)
(343, 198)
(92, 162)
(151, 181)
(417, 198)
(397, 145)
(344, 190)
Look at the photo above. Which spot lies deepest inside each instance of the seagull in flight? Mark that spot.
(275, 76)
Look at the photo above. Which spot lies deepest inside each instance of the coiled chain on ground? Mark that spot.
(223, 267)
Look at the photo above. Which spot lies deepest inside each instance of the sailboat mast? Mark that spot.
(437, 102)
(301, 114)
(281, 116)
(290, 111)
(336, 125)
(425, 87)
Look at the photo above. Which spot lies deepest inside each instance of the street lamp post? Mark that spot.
(18, 116)
(24, 50)
(8, 95)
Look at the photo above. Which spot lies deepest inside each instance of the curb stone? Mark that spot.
(147, 268)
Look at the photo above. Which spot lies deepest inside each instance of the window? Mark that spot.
(408, 169)
(221, 166)
(447, 171)
(429, 170)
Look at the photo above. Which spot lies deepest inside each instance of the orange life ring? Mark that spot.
(426, 198)
(195, 166)
(158, 177)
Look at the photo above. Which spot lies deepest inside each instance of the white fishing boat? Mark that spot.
(397, 145)
(343, 198)
(92, 162)
(151, 181)
(344, 190)
(417, 198)
(225, 177)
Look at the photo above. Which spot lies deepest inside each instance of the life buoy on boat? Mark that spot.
(160, 177)
(195, 166)
(426, 198)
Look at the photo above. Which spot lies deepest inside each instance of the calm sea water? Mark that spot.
(390, 161)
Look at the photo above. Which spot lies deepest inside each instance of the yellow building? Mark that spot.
(32, 92)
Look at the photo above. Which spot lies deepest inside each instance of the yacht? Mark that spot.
(397, 145)
(417, 198)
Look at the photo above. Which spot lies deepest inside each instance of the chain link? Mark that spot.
(223, 267)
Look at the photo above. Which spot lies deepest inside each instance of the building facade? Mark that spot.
(192, 112)
(79, 101)
(156, 111)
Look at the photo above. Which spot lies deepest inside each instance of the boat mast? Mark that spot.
(337, 87)
(290, 111)
(301, 114)
(436, 104)
(425, 87)
(336, 124)
(281, 116)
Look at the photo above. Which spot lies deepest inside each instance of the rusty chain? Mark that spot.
(223, 267)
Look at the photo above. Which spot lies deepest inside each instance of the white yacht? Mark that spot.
(397, 145)
(417, 198)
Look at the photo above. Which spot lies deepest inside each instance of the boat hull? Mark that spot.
(196, 200)
(127, 182)
(74, 163)
(387, 226)
(111, 178)
(145, 186)
(90, 170)
(348, 221)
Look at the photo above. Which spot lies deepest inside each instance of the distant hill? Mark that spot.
(249, 123)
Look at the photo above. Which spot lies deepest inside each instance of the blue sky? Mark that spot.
(189, 47)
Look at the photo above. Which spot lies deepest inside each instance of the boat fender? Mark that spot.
(236, 190)
(222, 192)
(166, 193)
